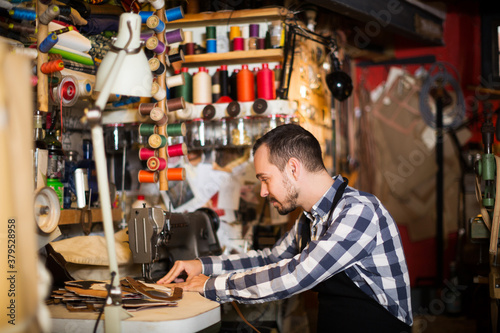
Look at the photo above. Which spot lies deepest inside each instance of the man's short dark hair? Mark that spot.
(287, 141)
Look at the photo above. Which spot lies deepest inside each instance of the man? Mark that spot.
(346, 246)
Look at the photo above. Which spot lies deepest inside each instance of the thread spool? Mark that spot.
(147, 129)
(173, 14)
(265, 83)
(145, 153)
(189, 48)
(63, 30)
(245, 85)
(156, 141)
(254, 30)
(175, 104)
(202, 87)
(145, 14)
(153, 22)
(155, 45)
(177, 129)
(216, 86)
(233, 85)
(188, 37)
(157, 4)
(211, 45)
(23, 14)
(174, 36)
(174, 81)
(48, 43)
(238, 44)
(52, 66)
(145, 108)
(261, 43)
(49, 14)
(156, 163)
(147, 34)
(223, 81)
(67, 90)
(177, 150)
(85, 87)
(145, 176)
(156, 66)
(176, 174)
(158, 92)
(158, 116)
(179, 56)
(234, 32)
(252, 43)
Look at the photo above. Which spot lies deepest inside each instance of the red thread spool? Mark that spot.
(245, 85)
(156, 163)
(68, 90)
(238, 44)
(145, 176)
(265, 83)
(146, 153)
(177, 150)
(176, 174)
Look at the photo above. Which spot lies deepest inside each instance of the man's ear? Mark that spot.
(294, 168)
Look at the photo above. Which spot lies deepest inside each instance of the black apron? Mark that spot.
(343, 307)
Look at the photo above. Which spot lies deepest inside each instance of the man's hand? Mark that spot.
(191, 267)
(194, 284)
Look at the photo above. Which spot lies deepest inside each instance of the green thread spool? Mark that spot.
(185, 90)
(177, 129)
(147, 129)
(211, 34)
(157, 141)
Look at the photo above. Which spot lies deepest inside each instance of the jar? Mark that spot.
(114, 135)
(240, 132)
(199, 134)
(221, 133)
(275, 120)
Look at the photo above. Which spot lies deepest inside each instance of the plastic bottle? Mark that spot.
(88, 163)
(245, 85)
(265, 83)
(202, 87)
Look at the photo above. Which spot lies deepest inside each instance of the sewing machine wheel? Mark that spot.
(47, 209)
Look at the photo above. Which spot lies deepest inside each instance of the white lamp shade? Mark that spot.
(134, 75)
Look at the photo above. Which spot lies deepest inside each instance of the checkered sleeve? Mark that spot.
(350, 238)
(285, 247)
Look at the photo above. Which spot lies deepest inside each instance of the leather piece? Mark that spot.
(154, 294)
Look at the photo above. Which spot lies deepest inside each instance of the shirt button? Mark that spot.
(217, 298)
(314, 230)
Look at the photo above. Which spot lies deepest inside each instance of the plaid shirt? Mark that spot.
(362, 240)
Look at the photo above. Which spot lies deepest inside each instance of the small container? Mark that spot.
(221, 133)
(58, 187)
(274, 121)
(199, 134)
(114, 135)
(240, 131)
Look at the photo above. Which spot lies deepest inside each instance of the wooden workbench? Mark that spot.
(194, 313)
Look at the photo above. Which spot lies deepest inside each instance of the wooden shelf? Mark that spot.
(72, 216)
(235, 57)
(230, 17)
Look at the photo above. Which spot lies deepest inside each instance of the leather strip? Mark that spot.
(142, 289)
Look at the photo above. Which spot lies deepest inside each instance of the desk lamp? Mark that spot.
(125, 71)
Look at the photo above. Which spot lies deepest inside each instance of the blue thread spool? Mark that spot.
(145, 14)
(173, 14)
(23, 14)
(48, 43)
(211, 45)
(154, 22)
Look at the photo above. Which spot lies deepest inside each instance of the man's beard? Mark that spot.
(290, 202)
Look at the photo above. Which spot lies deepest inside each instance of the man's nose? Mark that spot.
(263, 190)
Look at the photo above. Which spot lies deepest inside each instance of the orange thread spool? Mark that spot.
(245, 85)
(145, 176)
(52, 66)
(176, 174)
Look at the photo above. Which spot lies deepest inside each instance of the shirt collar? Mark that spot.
(322, 207)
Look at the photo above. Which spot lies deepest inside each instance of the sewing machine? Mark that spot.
(159, 237)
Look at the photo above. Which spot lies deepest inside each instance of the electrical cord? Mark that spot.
(243, 317)
(101, 311)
